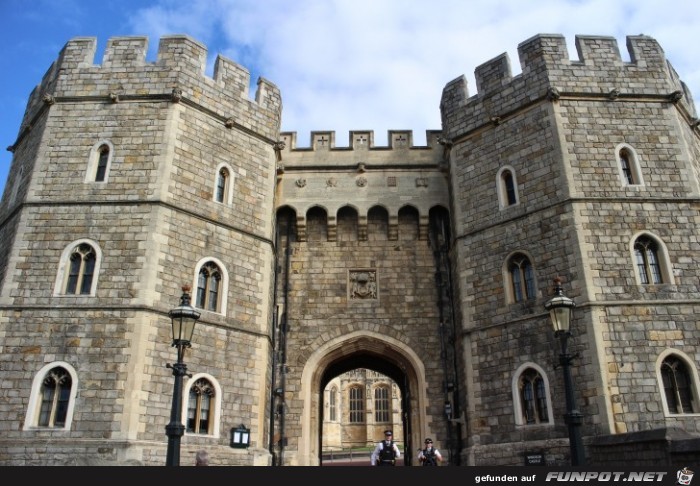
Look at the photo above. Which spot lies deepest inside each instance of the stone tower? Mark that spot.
(587, 170)
(118, 168)
(429, 264)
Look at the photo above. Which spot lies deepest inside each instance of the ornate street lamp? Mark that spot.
(183, 318)
(559, 308)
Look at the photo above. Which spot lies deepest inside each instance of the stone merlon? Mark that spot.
(544, 60)
(180, 65)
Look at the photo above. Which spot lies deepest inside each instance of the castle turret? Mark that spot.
(130, 179)
(583, 169)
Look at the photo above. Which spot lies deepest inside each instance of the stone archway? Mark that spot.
(361, 346)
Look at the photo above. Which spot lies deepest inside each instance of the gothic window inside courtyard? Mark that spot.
(382, 404)
(333, 406)
(356, 400)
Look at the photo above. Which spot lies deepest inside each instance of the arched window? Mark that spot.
(534, 400)
(211, 284)
(626, 167)
(223, 185)
(99, 162)
(647, 259)
(102, 160)
(209, 287)
(506, 187)
(521, 278)
(678, 386)
(78, 269)
(332, 398)
(382, 404)
(357, 405)
(52, 398)
(628, 163)
(201, 416)
(531, 396)
(81, 270)
(199, 407)
(55, 396)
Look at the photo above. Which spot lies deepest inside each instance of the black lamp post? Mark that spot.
(559, 308)
(183, 320)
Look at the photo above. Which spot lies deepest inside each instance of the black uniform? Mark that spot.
(387, 455)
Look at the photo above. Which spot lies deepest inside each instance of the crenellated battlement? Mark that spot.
(547, 68)
(174, 52)
(547, 54)
(179, 67)
(361, 149)
(361, 140)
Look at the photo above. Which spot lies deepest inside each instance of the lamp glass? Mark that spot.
(183, 319)
(561, 318)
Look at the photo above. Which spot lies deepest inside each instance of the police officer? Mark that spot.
(386, 452)
(429, 456)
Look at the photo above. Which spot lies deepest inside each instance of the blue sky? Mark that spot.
(341, 64)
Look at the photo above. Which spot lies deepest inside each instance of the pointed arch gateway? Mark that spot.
(361, 349)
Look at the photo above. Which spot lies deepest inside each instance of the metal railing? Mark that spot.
(346, 455)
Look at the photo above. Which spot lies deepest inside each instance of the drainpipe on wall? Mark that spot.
(440, 240)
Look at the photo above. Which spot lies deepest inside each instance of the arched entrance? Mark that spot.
(361, 349)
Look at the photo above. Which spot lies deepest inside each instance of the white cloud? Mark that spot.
(382, 64)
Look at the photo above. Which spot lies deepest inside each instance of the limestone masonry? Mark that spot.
(311, 264)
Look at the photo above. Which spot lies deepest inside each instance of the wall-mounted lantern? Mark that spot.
(240, 437)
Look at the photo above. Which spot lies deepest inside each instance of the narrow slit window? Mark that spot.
(510, 187)
(507, 188)
(222, 185)
(102, 161)
(626, 167)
